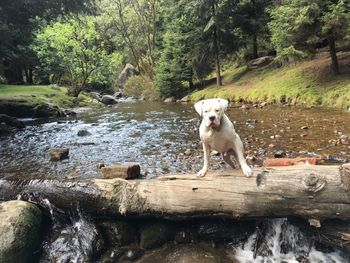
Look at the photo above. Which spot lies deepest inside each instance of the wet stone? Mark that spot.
(280, 154)
(20, 229)
(125, 171)
(83, 133)
(196, 253)
(59, 154)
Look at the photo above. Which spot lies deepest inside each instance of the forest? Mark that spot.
(176, 46)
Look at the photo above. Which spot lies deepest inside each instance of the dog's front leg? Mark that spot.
(206, 150)
(239, 150)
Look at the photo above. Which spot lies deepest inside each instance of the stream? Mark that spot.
(163, 138)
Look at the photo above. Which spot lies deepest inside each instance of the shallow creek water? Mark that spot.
(163, 138)
(157, 135)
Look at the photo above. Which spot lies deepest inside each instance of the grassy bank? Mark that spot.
(42, 94)
(305, 83)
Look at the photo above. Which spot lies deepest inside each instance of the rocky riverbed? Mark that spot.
(163, 138)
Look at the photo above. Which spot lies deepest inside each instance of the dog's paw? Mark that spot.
(247, 171)
(202, 173)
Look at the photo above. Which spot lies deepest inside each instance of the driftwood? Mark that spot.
(313, 192)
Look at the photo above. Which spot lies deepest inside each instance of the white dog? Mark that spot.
(218, 134)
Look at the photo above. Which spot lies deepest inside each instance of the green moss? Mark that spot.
(43, 94)
(306, 83)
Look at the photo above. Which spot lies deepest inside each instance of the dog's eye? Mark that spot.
(217, 110)
(205, 111)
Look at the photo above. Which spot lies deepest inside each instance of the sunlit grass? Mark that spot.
(306, 83)
(36, 94)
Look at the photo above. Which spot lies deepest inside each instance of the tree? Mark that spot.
(252, 17)
(78, 47)
(300, 24)
(133, 25)
(181, 43)
(17, 24)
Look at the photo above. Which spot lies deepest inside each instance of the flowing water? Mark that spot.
(283, 242)
(163, 138)
(157, 135)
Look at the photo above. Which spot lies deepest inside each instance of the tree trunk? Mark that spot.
(30, 75)
(255, 46)
(333, 53)
(13, 73)
(308, 191)
(190, 84)
(216, 48)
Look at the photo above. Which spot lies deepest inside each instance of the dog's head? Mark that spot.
(211, 110)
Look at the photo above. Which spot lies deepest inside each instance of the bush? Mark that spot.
(289, 55)
(141, 87)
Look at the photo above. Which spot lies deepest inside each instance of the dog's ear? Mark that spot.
(223, 104)
(199, 107)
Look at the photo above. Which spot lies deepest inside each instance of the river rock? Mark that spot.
(108, 100)
(11, 121)
(118, 94)
(118, 233)
(20, 230)
(83, 132)
(128, 71)
(170, 99)
(185, 99)
(156, 234)
(280, 154)
(196, 253)
(5, 129)
(95, 95)
(125, 171)
(232, 231)
(47, 110)
(58, 154)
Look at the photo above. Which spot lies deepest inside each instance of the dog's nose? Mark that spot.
(212, 118)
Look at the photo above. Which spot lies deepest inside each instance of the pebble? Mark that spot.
(188, 152)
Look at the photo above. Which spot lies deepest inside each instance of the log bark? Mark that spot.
(307, 191)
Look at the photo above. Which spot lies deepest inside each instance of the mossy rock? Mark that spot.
(20, 231)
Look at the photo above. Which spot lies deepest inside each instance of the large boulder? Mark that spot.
(259, 62)
(108, 100)
(128, 71)
(47, 110)
(20, 231)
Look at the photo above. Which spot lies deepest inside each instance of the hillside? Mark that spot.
(309, 82)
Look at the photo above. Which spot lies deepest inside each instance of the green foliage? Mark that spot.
(141, 87)
(289, 55)
(75, 48)
(301, 24)
(17, 24)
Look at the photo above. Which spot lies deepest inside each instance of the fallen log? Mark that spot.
(307, 191)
